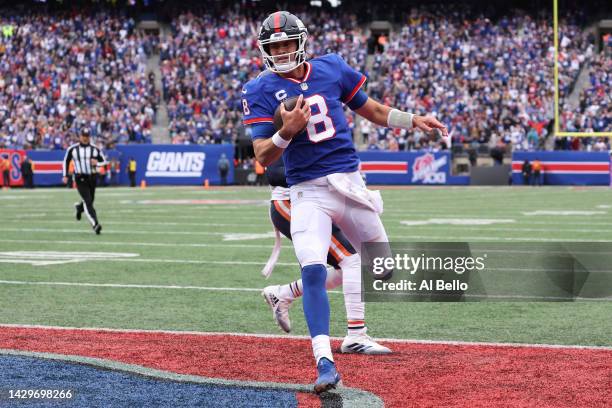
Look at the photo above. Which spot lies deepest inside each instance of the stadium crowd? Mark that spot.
(489, 79)
(594, 113)
(59, 73)
(207, 59)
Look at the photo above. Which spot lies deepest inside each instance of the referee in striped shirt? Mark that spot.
(86, 160)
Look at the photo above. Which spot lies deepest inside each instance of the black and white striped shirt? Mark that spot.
(81, 155)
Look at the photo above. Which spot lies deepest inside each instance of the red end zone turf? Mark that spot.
(419, 375)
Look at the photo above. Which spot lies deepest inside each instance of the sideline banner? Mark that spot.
(405, 167)
(566, 168)
(176, 164)
(15, 157)
(157, 164)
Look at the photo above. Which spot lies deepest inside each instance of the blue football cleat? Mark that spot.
(328, 376)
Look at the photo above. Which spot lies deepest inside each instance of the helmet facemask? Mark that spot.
(294, 59)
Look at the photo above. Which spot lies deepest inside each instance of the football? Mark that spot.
(289, 105)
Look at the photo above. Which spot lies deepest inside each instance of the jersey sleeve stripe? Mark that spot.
(355, 90)
(258, 120)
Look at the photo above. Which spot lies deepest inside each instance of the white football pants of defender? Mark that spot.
(315, 205)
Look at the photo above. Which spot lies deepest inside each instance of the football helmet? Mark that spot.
(282, 26)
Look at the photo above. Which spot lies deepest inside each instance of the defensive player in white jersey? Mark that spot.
(320, 159)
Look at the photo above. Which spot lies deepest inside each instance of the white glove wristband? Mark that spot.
(399, 119)
(279, 141)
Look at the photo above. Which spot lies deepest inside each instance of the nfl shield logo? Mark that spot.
(304, 86)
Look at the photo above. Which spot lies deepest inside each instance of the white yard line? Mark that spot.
(276, 336)
(118, 232)
(475, 239)
(145, 244)
(138, 286)
(461, 238)
(493, 228)
(119, 222)
(225, 289)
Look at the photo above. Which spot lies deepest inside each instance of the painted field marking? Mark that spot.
(470, 227)
(352, 397)
(138, 286)
(119, 222)
(44, 258)
(461, 238)
(118, 232)
(460, 221)
(244, 236)
(222, 289)
(563, 212)
(196, 202)
(298, 337)
(132, 243)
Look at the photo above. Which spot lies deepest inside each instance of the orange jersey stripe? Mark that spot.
(282, 211)
(340, 247)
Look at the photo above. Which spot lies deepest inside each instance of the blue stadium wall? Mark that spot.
(191, 165)
(566, 168)
(157, 164)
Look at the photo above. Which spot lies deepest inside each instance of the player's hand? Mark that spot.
(429, 123)
(296, 120)
(65, 180)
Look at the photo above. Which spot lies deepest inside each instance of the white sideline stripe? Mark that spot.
(135, 215)
(461, 238)
(294, 337)
(219, 289)
(206, 224)
(152, 244)
(134, 286)
(190, 261)
(563, 212)
(491, 227)
(118, 232)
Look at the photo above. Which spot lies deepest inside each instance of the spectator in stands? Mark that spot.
(60, 72)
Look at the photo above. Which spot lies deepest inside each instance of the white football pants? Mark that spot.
(314, 206)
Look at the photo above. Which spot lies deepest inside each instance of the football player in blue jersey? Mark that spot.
(320, 160)
(343, 260)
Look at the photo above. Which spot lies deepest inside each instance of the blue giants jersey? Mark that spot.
(326, 145)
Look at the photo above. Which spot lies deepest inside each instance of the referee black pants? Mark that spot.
(86, 185)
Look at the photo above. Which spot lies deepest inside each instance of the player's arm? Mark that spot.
(269, 149)
(99, 160)
(355, 98)
(66, 165)
(383, 115)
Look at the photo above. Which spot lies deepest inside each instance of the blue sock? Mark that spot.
(315, 301)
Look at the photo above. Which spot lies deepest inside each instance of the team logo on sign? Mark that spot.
(175, 164)
(426, 169)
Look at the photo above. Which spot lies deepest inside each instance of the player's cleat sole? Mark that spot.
(280, 308)
(78, 211)
(97, 229)
(363, 344)
(328, 376)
